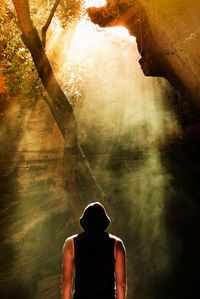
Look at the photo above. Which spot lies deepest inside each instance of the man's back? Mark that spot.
(94, 260)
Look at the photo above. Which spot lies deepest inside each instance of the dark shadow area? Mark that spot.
(182, 209)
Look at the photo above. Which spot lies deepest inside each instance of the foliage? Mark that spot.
(72, 86)
(69, 11)
(21, 76)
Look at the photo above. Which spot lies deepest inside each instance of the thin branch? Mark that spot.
(48, 22)
(93, 181)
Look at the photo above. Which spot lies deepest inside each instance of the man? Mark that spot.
(97, 257)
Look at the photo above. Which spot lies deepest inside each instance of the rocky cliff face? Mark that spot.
(175, 28)
(167, 35)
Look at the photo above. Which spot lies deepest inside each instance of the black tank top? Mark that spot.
(94, 266)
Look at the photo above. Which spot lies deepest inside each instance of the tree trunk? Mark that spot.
(60, 107)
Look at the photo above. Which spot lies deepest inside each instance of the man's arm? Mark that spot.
(67, 269)
(120, 270)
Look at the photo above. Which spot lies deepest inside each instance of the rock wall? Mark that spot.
(175, 27)
(33, 216)
(167, 33)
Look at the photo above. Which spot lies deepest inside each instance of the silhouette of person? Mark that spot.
(96, 257)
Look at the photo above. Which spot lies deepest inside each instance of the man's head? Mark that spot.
(94, 218)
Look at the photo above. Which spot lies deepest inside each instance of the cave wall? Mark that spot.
(175, 27)
(167, 35)
(34, 219)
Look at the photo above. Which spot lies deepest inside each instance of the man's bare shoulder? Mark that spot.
(71, 238)
(119, 244)
(115, 238)
(68, 244)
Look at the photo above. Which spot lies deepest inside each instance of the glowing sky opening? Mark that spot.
(84, 33)
(121, 31)
(86, 38)
(96, 3)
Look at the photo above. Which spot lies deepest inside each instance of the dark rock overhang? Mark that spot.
(155, 61)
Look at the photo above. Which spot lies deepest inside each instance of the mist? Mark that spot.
(124, 122)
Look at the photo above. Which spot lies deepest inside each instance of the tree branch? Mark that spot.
(48, 22)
